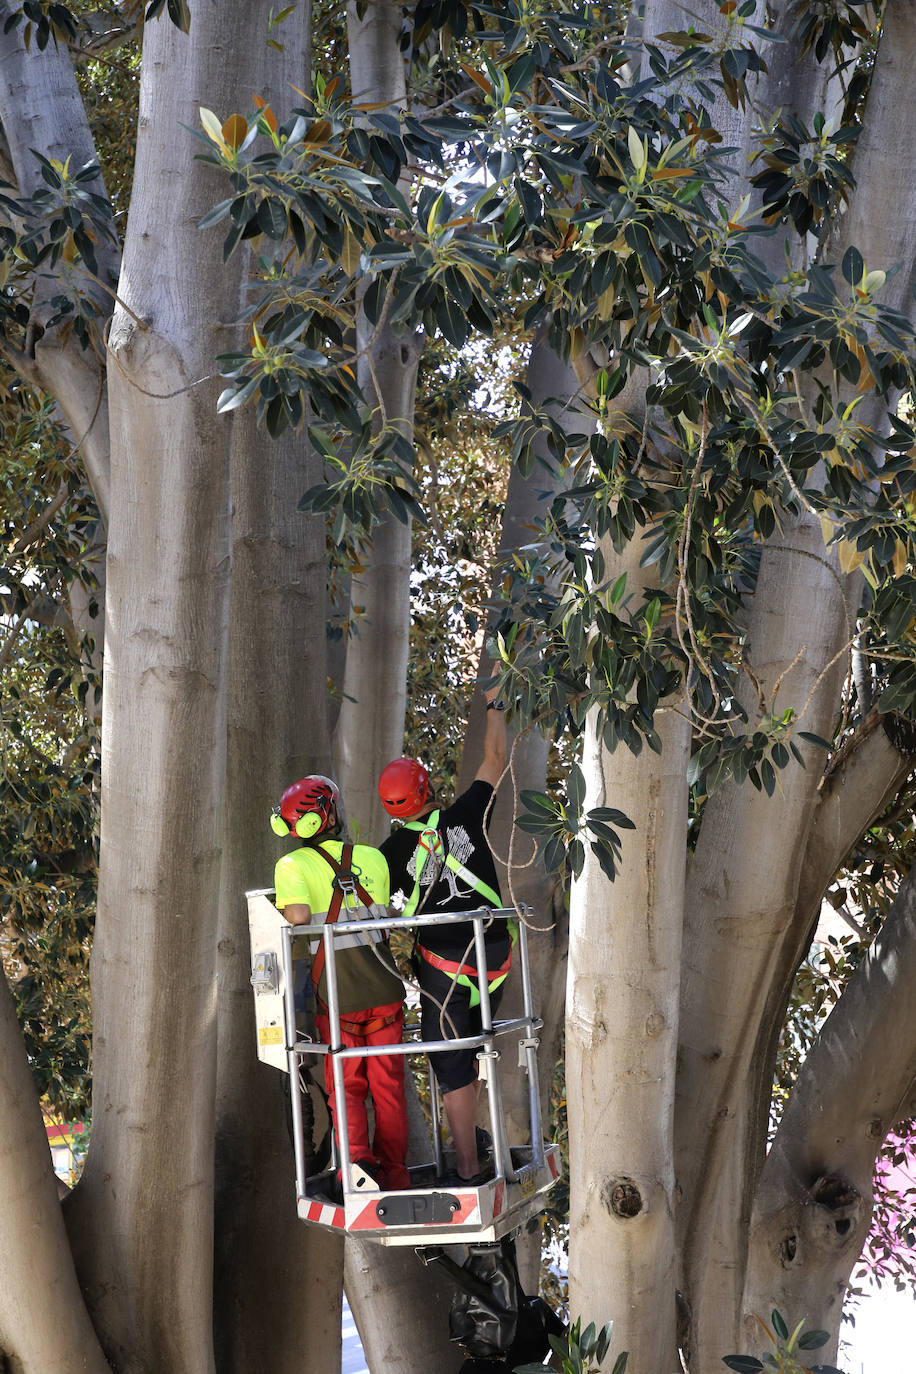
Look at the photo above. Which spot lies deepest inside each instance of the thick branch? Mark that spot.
(103, 33)
(41, 108)
(855, 1079)
(854, 795)
(43, 1321)
(370, 725)
(813, 1205)
(44, 610)
(880, 218)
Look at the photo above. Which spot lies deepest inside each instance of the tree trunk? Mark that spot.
(142, 1217)
(621, 1042)
(370, 724)
(265, 1316)
(43, 1320)
(813, 1206)
(750, 887)
(400, 1307)
(741, 902)
(522, 880)
(41, 108)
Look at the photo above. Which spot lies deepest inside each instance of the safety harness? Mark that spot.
(430, 846)
(345, 884)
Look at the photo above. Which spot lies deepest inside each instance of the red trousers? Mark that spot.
(382, 1075)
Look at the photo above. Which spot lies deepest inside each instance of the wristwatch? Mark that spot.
(496, 706)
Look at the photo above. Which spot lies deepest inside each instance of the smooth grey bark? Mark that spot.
(142, 1216)
(370, 724)
(266, 1316)
(879, 219)
(745, 910)
(399, 1306)
(622, 1015)
(522, 879)
(813, 1205)
(43, 1319)
(857, 789)
(41, 108)
(742, 893)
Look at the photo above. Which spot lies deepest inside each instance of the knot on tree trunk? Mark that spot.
(839, 1207)
(622, 1198)
(828, 1222)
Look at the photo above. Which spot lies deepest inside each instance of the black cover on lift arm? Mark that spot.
(492, 1318)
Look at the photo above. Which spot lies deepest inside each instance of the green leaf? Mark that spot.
(272, 218)
(603, 1344)
(231, 399)
(813, 1340)
(815, 739)
(180, 14)
(620, 1363)
(853, 266)
(742, 1364)
(779, 1325)
(608, 813)
(576, 788)
(215, 215)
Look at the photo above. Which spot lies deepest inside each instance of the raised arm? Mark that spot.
(494, 742)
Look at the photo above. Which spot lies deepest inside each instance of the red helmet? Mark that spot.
(308, 808)
(404, 787)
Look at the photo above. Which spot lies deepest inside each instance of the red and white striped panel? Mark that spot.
(326, 1213)
(369, 1220)
(552, 1163)
(499, 1197)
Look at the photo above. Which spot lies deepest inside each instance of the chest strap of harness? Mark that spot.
(430, 846)
(345, 884)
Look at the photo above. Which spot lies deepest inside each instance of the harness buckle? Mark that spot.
(346, 881)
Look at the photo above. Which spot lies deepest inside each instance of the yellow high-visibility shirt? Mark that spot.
(305, 877)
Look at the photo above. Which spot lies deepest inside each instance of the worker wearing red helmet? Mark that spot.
(440, 860)
(327, 879)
